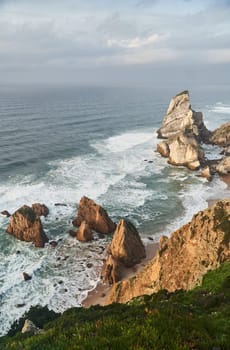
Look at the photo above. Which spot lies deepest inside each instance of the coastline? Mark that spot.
(98, 295)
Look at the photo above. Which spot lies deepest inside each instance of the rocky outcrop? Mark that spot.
(184, 258)
(40, 209)
(25, 225)
(181, 117)
(29, 327)
(95, 216)
(84, 233)
(221, 136)
(223, 168)
(182, 149)
(125, 249)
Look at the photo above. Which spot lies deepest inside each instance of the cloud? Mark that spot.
(134, 43)
(146, 3)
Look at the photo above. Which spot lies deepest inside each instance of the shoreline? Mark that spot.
(98, 295)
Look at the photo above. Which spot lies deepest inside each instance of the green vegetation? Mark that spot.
(198, 319)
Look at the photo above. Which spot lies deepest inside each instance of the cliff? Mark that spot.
(184, 258)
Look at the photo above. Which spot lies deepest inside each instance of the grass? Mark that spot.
(197, 319)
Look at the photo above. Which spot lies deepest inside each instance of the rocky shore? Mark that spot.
(179, 262)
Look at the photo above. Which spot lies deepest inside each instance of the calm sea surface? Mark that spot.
(58, 144)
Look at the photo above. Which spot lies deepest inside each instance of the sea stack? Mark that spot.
(25, 225)
(126, 249)
(95, 216)
(183, 129)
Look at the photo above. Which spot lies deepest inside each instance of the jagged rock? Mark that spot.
(184, 258)
(25, 225)
(84, 233)
(182, 149)
(126, 249)
(181, 117)
(26, 276)
(6, 213)
(206, 172)
(223, 168)
(40, 209)
(126, 245)
(95, 216)
(29, 327)
(112, 270)
(221, 136)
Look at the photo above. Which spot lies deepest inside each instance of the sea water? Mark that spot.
(59, 144)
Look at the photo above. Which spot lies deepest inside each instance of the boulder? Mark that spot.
(206, 172)
(6, 213)
(95, 216)
(25, 225)
(223, 168)
(221, 136)
(184, 258)
(180, 117)
(182, 149)
(29, 327)
(84, 233)
(40, 209)
(26, 276)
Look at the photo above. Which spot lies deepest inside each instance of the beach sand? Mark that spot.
(98, 295)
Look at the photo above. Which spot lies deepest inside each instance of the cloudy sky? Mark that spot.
(108, 41)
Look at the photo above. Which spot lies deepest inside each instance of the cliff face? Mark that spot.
(184, 258)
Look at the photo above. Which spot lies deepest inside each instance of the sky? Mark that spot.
(127, 42)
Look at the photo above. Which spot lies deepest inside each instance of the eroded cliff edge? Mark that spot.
(184, 258)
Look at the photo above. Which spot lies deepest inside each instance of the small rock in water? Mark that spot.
(66, 257)
(150, 161)
(6, 213)
(150, 238)
(53, 243)
(20, 305)
(60, 282)
(26, 276)
(60, 205)
(89, 265)
(18, 252)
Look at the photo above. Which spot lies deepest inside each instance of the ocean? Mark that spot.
(60, 143)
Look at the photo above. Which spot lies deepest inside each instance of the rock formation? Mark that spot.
(221, 136)
(125, 249)
(206, 172)
(26, 226)
(6, 213)
(223, 168)
(84, 233)
(181, 117)
(40, 209)
(182, 149)
(29, 327)
(183, 129)
(184, 258)
(95, 216)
